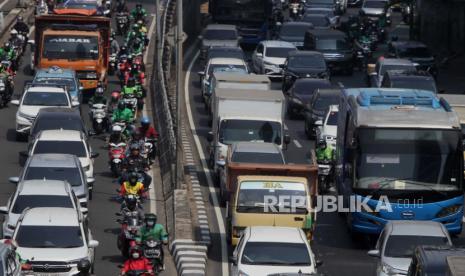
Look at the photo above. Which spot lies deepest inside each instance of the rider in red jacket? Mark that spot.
(137, 262)
(147, 130)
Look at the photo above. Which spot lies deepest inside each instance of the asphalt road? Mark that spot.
(341, 255)
(102, 209)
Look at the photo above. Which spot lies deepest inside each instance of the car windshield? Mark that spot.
(332, 118)
(225, 53)
(316, 20)
(70, 47)
(68, 147)
(232, 131)
(306, 89)
(33, 201)
(227, 68)
(220, 35)
(326, 12)
(72, 175)
(331, 44)
(258, 197)
(278, 52)
(304, 61)
(293, 30)
(414, 52)
(276, 253)
(409, 159)
(331, 2)
(49, 236)
(70, 84)
(45, 99)
(66, 123)
(257, 157)
(398, 246)
(374, 4)
(415, 84)
(396, 67)
(324, 101)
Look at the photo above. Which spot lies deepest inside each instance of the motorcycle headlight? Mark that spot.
(449, 210)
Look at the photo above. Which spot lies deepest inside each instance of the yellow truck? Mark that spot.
(270, 195)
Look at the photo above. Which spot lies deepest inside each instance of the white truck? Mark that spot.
(245, 116)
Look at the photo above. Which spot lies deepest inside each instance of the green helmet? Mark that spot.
(150, 217)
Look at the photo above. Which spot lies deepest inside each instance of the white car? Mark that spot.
(269, 57)
(398, 240)
(266, 250)
(35, 98)
(64, 141)
(54, 240)
(226, 65)
(37, 193)
(328, 127)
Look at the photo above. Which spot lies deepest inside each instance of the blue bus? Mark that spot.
(402, 145)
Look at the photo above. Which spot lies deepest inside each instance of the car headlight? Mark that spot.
(242, 273)
(449, 210)
(91, 75)
(389, 270)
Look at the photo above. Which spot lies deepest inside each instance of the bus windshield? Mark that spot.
(408, 159)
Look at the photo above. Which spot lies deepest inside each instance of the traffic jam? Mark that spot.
(86, 81)
(386, 154)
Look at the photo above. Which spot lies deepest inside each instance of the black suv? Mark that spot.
(409, 79)
(416, 52)
(317, 108)
(303, 64)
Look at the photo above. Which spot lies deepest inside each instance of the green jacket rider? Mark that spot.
(122, 113)
(152, 229)
(131, 89)
(98, 97)
(138, 12)
(323, 152)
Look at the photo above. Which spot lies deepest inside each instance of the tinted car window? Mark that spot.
(72, 175)
(414, 52)
(331, 44)
(33, 201)
(324, 101)
(332, 119)
(45, 99)
(293, 30)
(62, 122)
(307, 61)
(317, 21)
(278, 52)
(254, 157)
(69, 147)
(49, 236)
(398, 246)
(374, 4)
(308, 88)
(414, 84)
(275, 253)
(220, 35)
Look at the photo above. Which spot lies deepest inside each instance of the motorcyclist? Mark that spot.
(131, 204)
(137, 47)
(114, 45)
(132, 186)
(137, 262)
(123, 51)
(136, 163)
(137, 140)
(142, 27)
(131, 90)
(116, 135)
(136, 74)
(98, 97)
(154, 230)
(323, 152)
(138, 13)
(122, 113)
(84, 267)
(146, 129)
(114, 100)
(121, 7)
(15, 41)
(20, 26)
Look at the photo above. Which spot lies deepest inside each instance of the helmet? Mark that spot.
(14, 32)
(134, 68)
(84, 265)
(131, 202)
(99, 91)
(99, 84)
(134, 147)
(129, 58)
(322, 143)
(6, 45)
(140, 22)
(131, 82)
(135, 252)
(123, 48)
(135, 27)
(139, 6)
(113, 34)
(132, 178)
(145, 121)
(150, 219)
(116, 128)
(121, 105)
(20, 19)
(115, 96)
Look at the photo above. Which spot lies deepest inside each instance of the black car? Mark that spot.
(300, 94)
(416, 52)
(303, 64)
(225, 52)
(317, 108)
(57, 118)
(319, 21)
(409, 79)
(335, 47)
(294, 32)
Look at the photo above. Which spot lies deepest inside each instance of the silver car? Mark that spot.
(218, 35)
(398, 241)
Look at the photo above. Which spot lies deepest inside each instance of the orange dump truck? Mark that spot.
(81, 43)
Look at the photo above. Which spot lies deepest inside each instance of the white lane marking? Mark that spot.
(285, 127)
(341, 85)
(152, 198)
(296, 143)
(206, 170)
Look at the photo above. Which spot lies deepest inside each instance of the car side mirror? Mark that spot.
(259, 54)
(90, 180)
(14, 102)
(93, 244)
(4, 210)
(318, 262)
(84, 210)
(201, 74)
(75, 103)
(81, 88)
(287, 139)
(210, 136)
(14, 179)
(319, 123)
(233, 260)
(31, 42)
(374, 253)
(200, 37)
(94, 154)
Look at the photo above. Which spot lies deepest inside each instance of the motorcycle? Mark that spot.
(116, 154)
(113, 64)
(363, 53)
(324, 176)
(131, 102)
(130, 225)
(122, 23)
(99, 117)
(295, 9)
(153, 252)
(5, 94)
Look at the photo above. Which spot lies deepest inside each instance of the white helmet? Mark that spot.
(116, 128)
(13, 32)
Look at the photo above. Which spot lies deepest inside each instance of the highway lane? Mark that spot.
(341, 255)
(102, 218)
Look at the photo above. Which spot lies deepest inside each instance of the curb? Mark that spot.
(190, 257)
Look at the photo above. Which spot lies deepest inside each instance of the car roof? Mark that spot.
(297, 23)
(311, 80)
(55, 72)
(329, 91)
(52, 112)
(408, 44)
(414, 228)
(275, 234)
(315, 15)
(435, 256)
(304, 53)
(221, 27)
(50, 216)
(43, 187)
(395, 61)
(256, 147)
(227, 61)
(277, 43)
(60, 135)
(45, 88)
(327, 33)
(53, 160)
